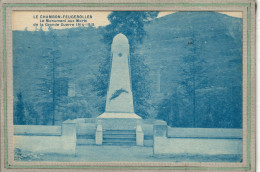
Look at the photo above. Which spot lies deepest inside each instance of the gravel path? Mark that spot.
(93, 153)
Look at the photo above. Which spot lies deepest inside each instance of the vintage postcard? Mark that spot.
(128, 85)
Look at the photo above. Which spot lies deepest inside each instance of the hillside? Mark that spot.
(194, 78)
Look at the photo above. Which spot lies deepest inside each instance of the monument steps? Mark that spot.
(119, 131)
(116, 136)
(86, 136)
(119, 137)
(120, 143)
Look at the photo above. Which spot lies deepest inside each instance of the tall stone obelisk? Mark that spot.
(119, 102)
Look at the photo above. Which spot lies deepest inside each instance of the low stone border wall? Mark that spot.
(197, 141)
(47, 139)
(38, 130)
(165, 140)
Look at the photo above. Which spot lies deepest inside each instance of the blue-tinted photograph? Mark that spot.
(128, 86)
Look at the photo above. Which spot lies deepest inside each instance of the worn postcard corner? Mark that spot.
(127, 85)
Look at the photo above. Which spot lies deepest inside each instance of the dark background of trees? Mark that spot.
(186, 69)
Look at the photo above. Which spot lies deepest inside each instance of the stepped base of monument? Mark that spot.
(119, 121)
(119, 115)
(119, 137)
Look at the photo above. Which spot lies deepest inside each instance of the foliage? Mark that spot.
(193, 74)
(129, 23)
(169, 111)
(19, 155)
(19, 110)
(206, 72)
(177, 72)
(49, 83)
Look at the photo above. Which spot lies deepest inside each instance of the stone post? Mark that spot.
(139, 136)
(159, 135)
(69, 137)
(99, 134)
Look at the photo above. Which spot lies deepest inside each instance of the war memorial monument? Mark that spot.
(119, 125)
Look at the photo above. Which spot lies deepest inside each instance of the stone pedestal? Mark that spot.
(68, 128)
(159, 134)
(139, 136)
(119, 123)
(119, 115)
(69, 136)
(160, 129)
(99, 134)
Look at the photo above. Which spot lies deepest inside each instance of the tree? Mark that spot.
(19, 111)
(100, 82)
(31, 116)
(129, 23)
(193, 74)
(51, 81)
(169, 111)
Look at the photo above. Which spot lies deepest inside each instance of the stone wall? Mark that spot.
(165, 140)
(47, 139)
(196, 141)
(37, 130)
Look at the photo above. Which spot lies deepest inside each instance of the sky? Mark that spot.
(31, 20)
